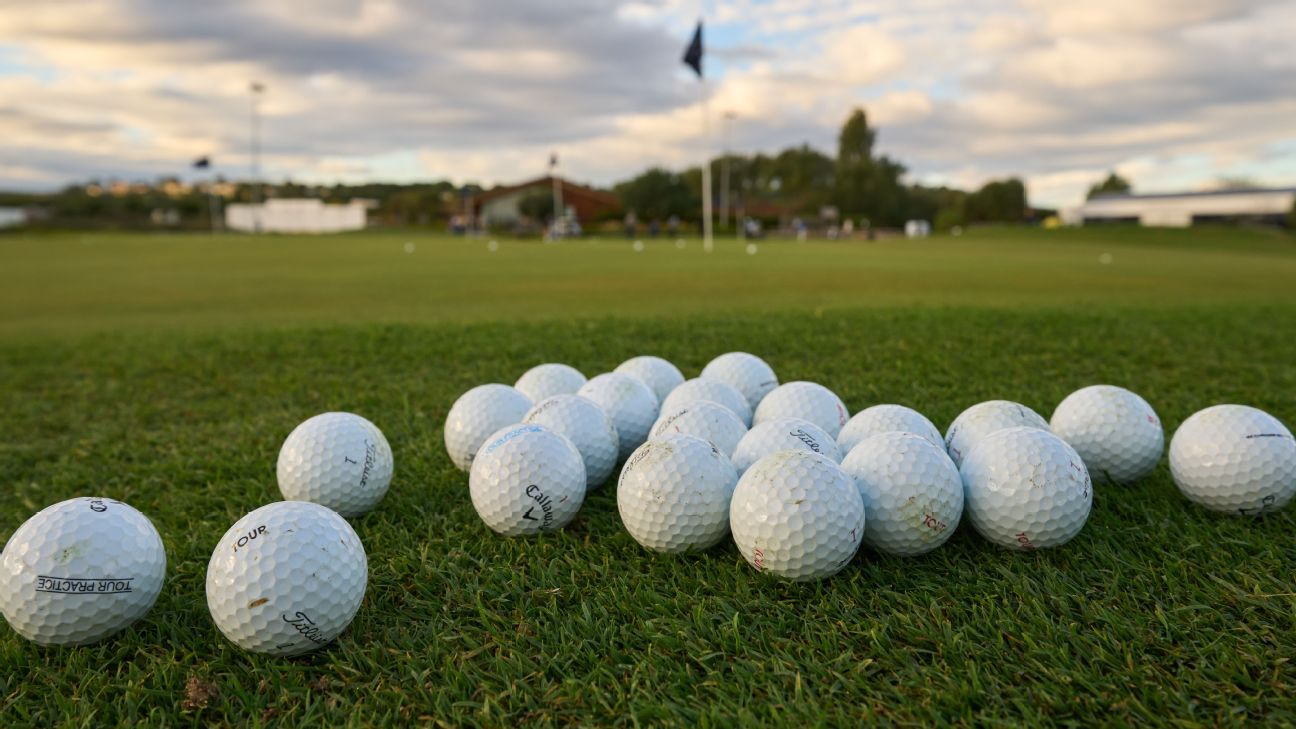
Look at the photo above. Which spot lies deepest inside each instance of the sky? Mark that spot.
(1172, 94)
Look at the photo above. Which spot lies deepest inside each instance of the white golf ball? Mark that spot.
(746, 373)
(673, 494)
(629, 402)
(1116, 432)
(913, 494)
(286, 579)
(658, 374)
(546, 380)
(527, 479)
(783, 434)
(699, 389)
(1234, 458)
(478, 413)
(806, 400)
(704, 419)
(1025, 488)
(587, 427)
(797, 515)
(338, 460)
(983, 419)
(80, 571)
(886, 419)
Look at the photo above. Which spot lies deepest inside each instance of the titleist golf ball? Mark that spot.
(783, 434)
(338, 460)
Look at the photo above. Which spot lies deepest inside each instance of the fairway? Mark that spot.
(166, 371)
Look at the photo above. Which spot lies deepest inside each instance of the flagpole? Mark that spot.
(557, 196)
(706, 169)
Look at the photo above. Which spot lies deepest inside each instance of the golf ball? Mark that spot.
(806, 400)
(983, 419)
(699, 389)
(658, 374)
(80, 571)
(286, 579)
(746, 373)
(587, 427)
(478, 413)
(913, 494)
(706, 420)
(527, 479)
(797, 515)
(674, 494)
(1234, 458)
(783, 434)
(885, 419)
(546, 380)
(1025, 488)
(629, 402)
(1116, 432)
(338, 460)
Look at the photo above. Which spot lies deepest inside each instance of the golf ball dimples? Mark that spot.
(1234, 458)
(783, 434)
(806, 400)
(1025, 488)
(546, 380)
(796, 514)
(629, 402)
(478, 413)
(338, 460)
(674, 494)
(286, 579)
(658, 374)
(526, 480)
(587, 427)
(983, 419)
(80, 571)
(1116, 432)
(746, 373)
(709, 421)
(699, 389)
(886, 419)
(913, 494)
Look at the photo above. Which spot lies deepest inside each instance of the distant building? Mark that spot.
(1179, 210)
(502, 205)
(12, 217)
(306, 215)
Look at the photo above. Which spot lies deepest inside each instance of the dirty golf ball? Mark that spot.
(983, 419)
(912, 492)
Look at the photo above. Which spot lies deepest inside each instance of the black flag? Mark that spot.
(693, 54)
(202, 163)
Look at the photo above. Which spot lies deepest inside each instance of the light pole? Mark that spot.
(728, 116)
(257, 88)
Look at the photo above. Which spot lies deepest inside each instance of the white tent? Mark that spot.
(305, 215)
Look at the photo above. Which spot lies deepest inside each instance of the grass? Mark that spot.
(1159, 612)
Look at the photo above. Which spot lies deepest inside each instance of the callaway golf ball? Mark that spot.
(704, 419)
(658, 374)
(478, 413)
(983, 419)
(746, 373)
(783, 434)
(1234, 458)
(884, 419)
(286, 579)
(527, 479)
(673, 494)
(629, 402)
(1116, 432)
(80, 571)
(913, 494)
(546, 380)
(1025, 488)
(338, 460)
(806, 400)
(587, 427)
(699, 389)
(797, 515)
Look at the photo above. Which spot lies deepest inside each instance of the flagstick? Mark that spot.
(706, 169)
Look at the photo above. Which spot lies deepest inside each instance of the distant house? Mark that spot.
(502, 205)
(1179, 210)
(305, 215)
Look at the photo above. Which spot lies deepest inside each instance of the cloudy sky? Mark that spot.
(1175, 94)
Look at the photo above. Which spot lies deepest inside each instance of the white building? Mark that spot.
(306, 215)
(1180, 210)
(12, 217)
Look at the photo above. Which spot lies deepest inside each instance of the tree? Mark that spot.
(1114, 184)
(855, 176)
(659, 194)
(1291, 217)
(998, 201)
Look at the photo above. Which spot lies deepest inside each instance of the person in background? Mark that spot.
(631, 224)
